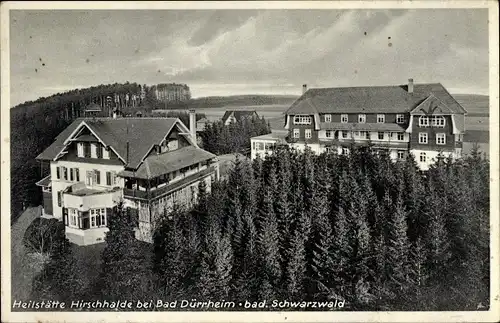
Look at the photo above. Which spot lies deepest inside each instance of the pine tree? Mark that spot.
(296, 267)
(215, 265)
(123, 272)
(397, 251)
(268, 250)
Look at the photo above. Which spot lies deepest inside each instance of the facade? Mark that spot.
(149, 164)
(172, 92)
(231, 116)
(265, 144)
(421, 119)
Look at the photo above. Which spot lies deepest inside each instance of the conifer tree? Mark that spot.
(296, 267)
(268, 250)
(123, 273)
(397, 250)
(215, 264)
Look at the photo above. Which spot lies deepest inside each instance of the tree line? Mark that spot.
(221, 139)
(380, 235)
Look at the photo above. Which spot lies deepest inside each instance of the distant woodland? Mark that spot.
(297, 226)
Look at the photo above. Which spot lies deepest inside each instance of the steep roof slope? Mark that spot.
(239, 114)
(140, 133)
(371, 99)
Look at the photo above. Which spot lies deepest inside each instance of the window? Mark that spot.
(108, 178)
(73, 218)
(345, 151)
(380, 118)
(422, 138)
(328, 134)
(308, 134)
(423, 157)
(93, 150)
(401, 136)
(65, 173)
(71, 175)
(438, 121)
(401, 154)
(400, 118)
(80, 149)
(97, 176)
(296, 133)
(77, 174)
(356, 133)
(380, 136)
(302, 119)
(344, 134)
(362, 134)
(344, 118)
(89, 180)
(105, 152)
(97, 218)
(59, 198)
(58, 172)
(423, 121)
(361, 118)
(260, 146)
(367, 135)
(441, 138)
(328, 118)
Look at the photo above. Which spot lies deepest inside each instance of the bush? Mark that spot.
(42, 235)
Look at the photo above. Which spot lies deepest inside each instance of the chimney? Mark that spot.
(192, 124)
(304, 88)
(410, 85)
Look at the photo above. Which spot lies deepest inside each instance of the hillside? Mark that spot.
(241, 100)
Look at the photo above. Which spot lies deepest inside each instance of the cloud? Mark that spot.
(259, 48)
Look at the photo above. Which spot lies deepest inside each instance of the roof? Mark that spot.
(371, 99)
(93, 107)
(44, 181)
(157, 165)
(140, 133)
(271, 136)
(362, 126)
(239, 114)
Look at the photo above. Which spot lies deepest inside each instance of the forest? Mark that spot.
(378, 234)
(222, 139)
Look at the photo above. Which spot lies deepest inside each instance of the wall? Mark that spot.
(431, 157)
(431, 136)
(61, 184)
(254, 145)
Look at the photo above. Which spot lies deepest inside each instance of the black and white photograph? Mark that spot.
(312, 161)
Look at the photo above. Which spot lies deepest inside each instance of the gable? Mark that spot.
(431, 105)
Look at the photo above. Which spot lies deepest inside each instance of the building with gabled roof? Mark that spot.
(422, 119)
(238, 115)
(148, 163)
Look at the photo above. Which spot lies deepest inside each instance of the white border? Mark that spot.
(491, 315)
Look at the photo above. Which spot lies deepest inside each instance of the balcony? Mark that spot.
(155, 192)
(82, 197)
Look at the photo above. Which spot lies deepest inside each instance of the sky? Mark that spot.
(229, 52)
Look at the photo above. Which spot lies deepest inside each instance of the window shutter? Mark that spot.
(108, 178)
(58, 172)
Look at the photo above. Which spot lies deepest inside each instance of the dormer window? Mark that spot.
(380, 118)
(361, 118)
(302, 119)
(400, 118)
(344, 118)
(328, 118)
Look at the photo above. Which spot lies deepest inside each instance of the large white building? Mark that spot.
(147, 163)
(421, 119)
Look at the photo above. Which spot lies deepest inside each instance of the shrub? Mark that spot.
(42, 234)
